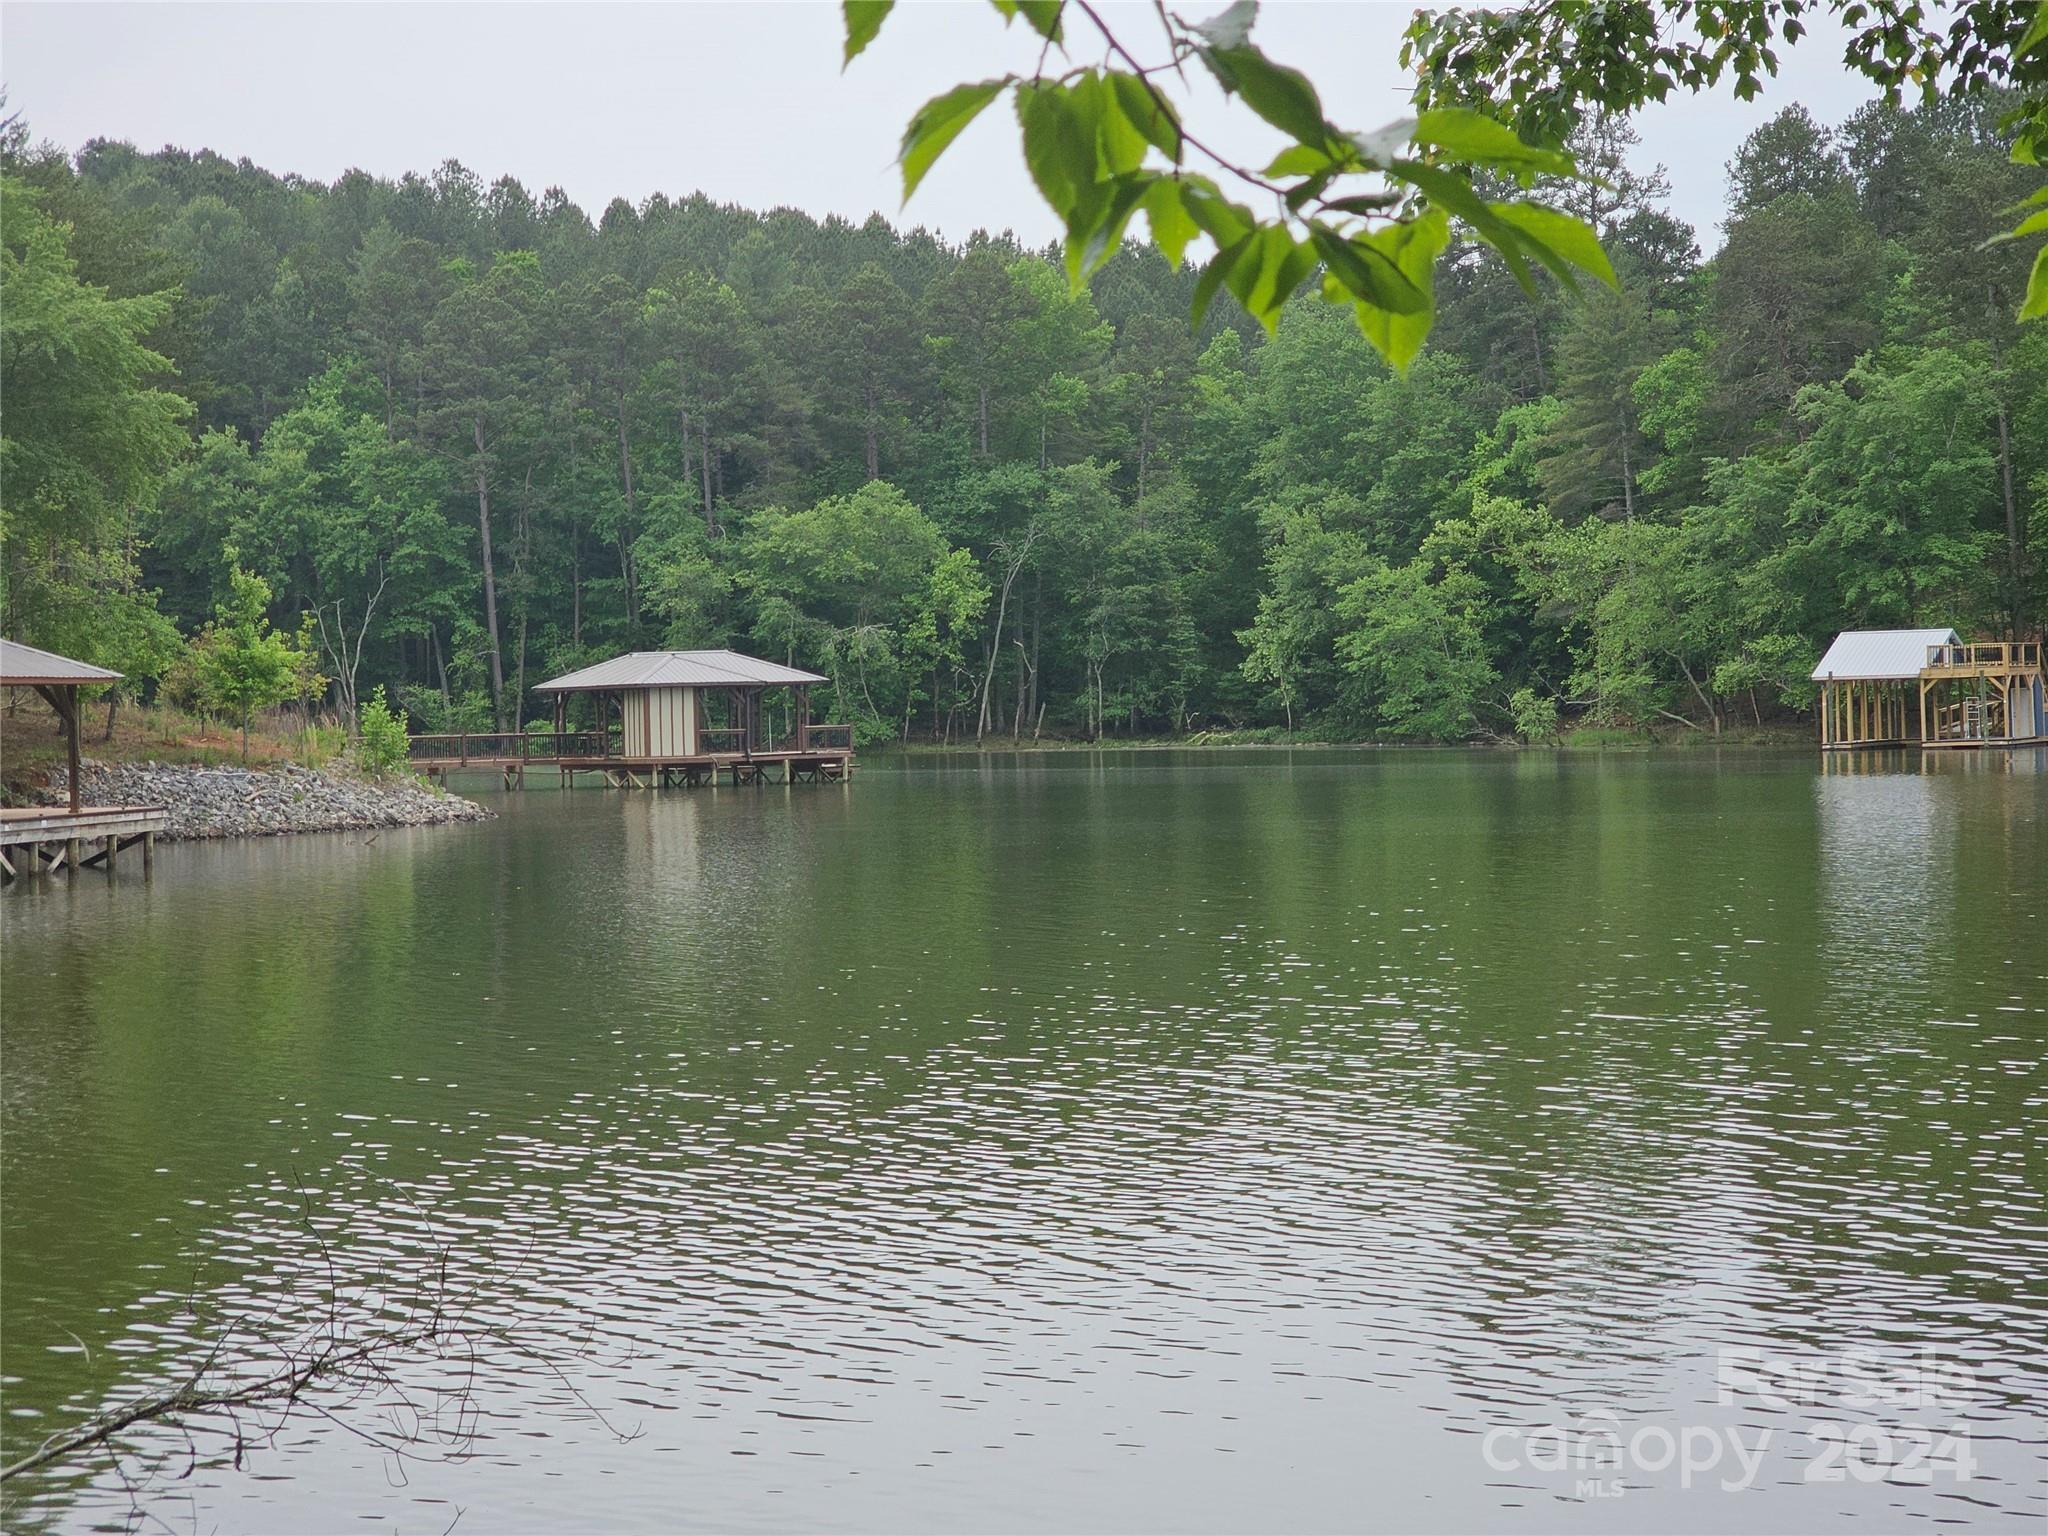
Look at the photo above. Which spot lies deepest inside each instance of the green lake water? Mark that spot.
(1123, 1141)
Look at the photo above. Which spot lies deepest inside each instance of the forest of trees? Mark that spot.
(468, 439)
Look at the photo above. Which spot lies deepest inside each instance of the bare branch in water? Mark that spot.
(326, 1364)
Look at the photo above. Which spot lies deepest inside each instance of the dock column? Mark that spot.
(148, 852)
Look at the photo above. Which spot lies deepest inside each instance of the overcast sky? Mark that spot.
(744, 102)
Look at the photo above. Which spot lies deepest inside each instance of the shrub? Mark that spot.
(1535, 715)
(381, 738)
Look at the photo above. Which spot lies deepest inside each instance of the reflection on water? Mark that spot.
(1126, 1141)
(1887, 867)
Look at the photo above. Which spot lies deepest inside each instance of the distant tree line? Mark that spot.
(464, 439)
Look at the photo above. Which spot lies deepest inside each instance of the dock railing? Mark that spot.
(494, 747)
(720, 739)
(1978, 657)
(825, 738)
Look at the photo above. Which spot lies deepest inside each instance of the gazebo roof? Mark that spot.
(28, 665)
(679, 669)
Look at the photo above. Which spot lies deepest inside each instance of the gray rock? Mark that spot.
(263, 802)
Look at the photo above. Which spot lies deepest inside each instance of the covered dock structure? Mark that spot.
(665, 718)
(1931, 689)
(41, 839)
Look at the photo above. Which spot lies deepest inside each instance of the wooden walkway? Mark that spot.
(41, 840)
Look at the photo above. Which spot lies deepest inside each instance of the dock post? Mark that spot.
(113, 848)
(148, 852)
(71, 850)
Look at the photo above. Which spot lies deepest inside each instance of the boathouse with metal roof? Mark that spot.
(1932, 689)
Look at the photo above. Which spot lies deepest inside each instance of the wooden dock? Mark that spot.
(823, 754)
(42, 840)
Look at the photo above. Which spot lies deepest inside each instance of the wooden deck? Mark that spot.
(1982, 694)
(825, 757)
(42, 840)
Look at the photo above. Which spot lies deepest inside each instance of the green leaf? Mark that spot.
(1452, 193)
(1151, 115)
(1213, 275)
(1266, 276)
(1559, 241)
(2037, 34)
(938, 123)
(1042, 15)
(1368, 273)
(1413, 247)
(1059, 146)
(1220, 219)
(1059, 150)
(1449, 191)
(1172, 227)
(1476, 139)
(1299, 160)
(1282, 96)
(2035, 306)
(1121, 145)
(1098, 228)
(2033, 224)
(864, 19)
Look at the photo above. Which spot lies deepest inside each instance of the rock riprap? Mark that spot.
(263, 802)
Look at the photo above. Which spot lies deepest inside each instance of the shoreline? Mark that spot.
(225, 801)
(1750, 740)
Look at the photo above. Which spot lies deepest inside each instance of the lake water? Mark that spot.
(1133, 1141)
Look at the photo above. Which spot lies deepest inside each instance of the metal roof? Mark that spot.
(679, 669)
(27, 664)
(1877, 655)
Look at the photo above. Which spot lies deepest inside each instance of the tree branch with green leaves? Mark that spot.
(1544, 66)
(1105, 139)
(1496, 91)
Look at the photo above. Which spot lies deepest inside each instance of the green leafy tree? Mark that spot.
(86, 439)
(381, 745)
(1417, 647)
(244, 665)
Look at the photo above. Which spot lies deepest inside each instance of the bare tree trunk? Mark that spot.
(1037, 629)
(874, 438)
(483, 523)
(2015, 541)
(519, 663)
(440, 663)
(1700, 693)
(1021, 554)
(1628, 479)
(983, 394)
(704, 469)
(1144, 457)
(626, 568)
